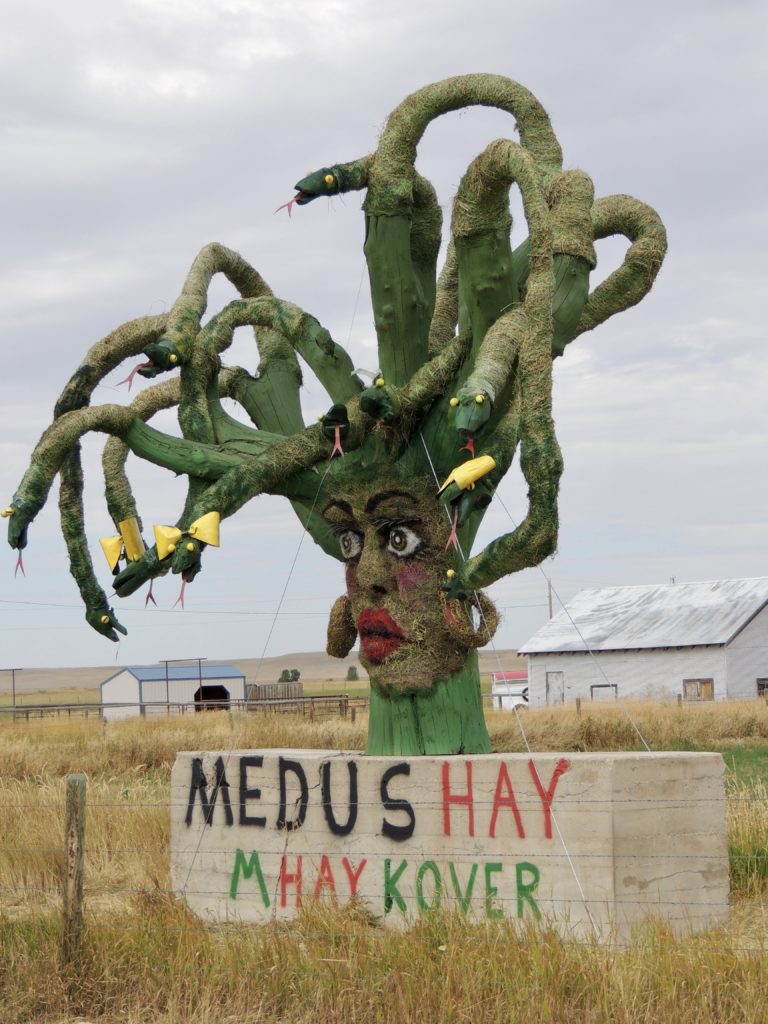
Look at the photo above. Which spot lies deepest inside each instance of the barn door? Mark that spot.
(555, 688)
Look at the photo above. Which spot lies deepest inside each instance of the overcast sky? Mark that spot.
(136, 131)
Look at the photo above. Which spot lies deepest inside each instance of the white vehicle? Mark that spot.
(509, 691)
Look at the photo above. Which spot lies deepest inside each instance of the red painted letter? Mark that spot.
(547, 796)
(449, 798)
(286, 879)
(325, 877)
(507, 800)
(353, 876)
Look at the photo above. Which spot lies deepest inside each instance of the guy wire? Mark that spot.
(519, 721)
(580, 634)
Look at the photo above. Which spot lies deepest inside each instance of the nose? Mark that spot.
(375, 572)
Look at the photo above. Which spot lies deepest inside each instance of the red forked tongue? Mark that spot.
(453, 539)
(129, 379)
(150, 596)
(470, 445)
(337, 449)
(19, 565)
(180, 598)
(289, 205)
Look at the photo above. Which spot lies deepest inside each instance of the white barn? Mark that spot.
(150, 689)
(699, 641)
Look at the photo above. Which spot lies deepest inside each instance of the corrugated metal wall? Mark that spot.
(747, 658)
(640, 674)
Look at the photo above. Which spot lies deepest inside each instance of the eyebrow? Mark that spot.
(342, 506)
(378, 499)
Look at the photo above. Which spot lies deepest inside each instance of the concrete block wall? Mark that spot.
(587, 842)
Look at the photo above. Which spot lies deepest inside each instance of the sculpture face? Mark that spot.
(393, 542)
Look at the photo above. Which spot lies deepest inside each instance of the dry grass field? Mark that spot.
(146, 959)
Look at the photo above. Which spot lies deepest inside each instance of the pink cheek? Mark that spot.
(410, 576)
(351, 576)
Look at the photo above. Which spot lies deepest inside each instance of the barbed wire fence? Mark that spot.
(70, 858)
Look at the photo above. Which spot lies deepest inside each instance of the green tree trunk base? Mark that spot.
(448, 719)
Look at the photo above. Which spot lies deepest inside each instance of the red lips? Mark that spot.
(379, 634)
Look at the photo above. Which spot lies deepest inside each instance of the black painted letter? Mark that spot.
(286, 766)
(249, 794)
(398, 832)
(199, 783)
(333, 825)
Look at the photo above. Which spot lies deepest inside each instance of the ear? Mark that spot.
(458, 616)
(341, 629)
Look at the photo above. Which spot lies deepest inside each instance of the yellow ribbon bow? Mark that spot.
(205, 529)
(128, 538)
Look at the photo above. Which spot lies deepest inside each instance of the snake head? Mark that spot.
(380, 402)
(466, 502)
(454, 587)
(187, 559)
(337, 418)
(324, 182)
(163, 355)
(136, 574)
(104, 621)
(19, 514)
(472, 408)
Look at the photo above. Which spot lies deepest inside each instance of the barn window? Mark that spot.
(601, 691)
(762, 687)
(698, 689)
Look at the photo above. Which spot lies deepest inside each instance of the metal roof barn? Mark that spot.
(160, 689)
(699, 641)
(668, 615)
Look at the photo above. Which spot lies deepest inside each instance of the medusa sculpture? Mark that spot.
(395, 478)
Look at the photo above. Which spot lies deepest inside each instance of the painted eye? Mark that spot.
(329, 180)
(403, 542)
(351, 544)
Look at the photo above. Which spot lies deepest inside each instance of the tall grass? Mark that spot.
(334, 965)
(147, 959)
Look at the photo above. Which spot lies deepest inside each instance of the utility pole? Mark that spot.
(13, 672)
(549, 597)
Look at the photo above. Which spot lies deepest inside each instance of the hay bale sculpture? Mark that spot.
(394, 479)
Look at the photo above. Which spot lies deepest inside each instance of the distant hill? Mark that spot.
(314, 666)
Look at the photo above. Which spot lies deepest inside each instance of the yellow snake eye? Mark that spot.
(329, 180)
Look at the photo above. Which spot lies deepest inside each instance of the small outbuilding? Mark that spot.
(163, 689)
(509, 690)
(697, 641)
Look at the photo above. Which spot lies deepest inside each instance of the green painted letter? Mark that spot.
(246, 869)
(524, 889)
(391, 893)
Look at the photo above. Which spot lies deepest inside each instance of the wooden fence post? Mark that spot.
(578, 707)
(74, 853)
